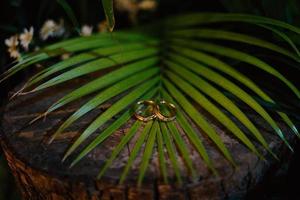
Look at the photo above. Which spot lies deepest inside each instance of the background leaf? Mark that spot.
(109, 13)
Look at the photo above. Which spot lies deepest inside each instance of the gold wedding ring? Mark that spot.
(171, 108)
(138, 113)
(154, 111)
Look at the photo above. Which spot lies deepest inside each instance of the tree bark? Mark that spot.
(41, 175)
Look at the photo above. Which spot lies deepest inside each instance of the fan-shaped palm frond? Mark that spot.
(180, 60)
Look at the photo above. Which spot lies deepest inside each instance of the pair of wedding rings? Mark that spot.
(153, 110)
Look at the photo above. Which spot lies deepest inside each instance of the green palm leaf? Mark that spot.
(103, 81)
(109, 131)
(218, 64)
(215, 94)
(192, 135)
(207, 18)
(113, 110)
(82, 59)
(198, 119)
(147, 152)
(237, 37)
(135, 151)
(230, 86)
(171, 151)
(109, 13)
(233, 88)
(71, 46)
(130, 66)
(134, 128)
(284, 37)
(225, 51)
(101, 137)
(210, 107)
(96, 65)
(182, 148)
(106, 95)
(161, 154)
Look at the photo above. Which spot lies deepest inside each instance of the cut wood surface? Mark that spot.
(40, 174)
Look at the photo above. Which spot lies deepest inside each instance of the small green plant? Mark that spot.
(179, 59)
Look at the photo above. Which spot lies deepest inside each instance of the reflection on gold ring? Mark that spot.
(172, 109)
(138, 113)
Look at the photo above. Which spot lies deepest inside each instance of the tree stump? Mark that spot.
(40, 174)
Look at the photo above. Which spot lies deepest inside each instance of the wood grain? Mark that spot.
(40, 174)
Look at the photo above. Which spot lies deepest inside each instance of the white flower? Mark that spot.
(26, 37)
(86, 30)
(12, 41)
(48, 29)
(14, 53)
(12, 44)
(51, 29)
(147, 5)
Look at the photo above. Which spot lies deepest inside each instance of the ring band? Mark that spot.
(138, 112)
(172, 109)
